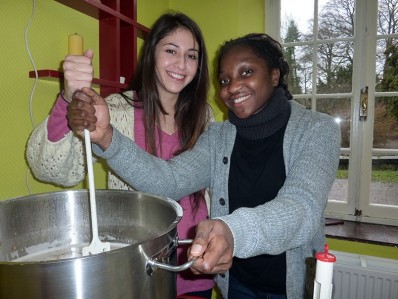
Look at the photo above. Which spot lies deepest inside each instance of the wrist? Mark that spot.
(107, 139)
(64, 97)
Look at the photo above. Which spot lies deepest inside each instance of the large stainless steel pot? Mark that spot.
(41, 238)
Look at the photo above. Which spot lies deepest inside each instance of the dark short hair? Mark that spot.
(266, 48)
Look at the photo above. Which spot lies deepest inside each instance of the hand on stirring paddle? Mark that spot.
(213, 246)
(88, 110)
(78, 73)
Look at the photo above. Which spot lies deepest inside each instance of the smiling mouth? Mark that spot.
(240, 99)
(176, 76)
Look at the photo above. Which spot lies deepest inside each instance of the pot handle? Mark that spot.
(184, 242)
(152, 264)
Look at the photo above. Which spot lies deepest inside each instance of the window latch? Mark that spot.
(358, 214)
(363, 107)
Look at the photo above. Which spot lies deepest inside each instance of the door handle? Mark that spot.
(363, 107)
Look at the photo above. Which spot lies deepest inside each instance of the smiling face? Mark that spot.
(176, 57)
(246, 83)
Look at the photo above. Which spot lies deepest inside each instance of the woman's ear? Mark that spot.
(275, 75)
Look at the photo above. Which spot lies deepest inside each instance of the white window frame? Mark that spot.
(361, 139)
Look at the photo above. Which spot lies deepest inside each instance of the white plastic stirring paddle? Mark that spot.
(75, 47)
(96, 246)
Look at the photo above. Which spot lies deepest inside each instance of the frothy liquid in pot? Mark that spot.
(59, 253)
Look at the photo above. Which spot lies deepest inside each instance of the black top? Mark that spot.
(257, 173)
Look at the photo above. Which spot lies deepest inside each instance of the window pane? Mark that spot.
(339, 191)
(386, 124)
(387, 17)
(340, 109)
(297, 17)
(386, 64)
(384, 186)
(335, 62)
(336, 19)
(300, 69)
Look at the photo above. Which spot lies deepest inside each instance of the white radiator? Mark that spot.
(364, 277)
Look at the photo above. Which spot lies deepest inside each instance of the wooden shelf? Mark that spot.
(118, 34)
(53, 75)
(99, 11)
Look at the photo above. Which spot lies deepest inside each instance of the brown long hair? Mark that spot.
(191, 108)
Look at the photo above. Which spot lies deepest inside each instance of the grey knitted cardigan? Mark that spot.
(292, 222)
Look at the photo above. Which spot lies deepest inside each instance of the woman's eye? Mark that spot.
(223, 81)
(171, 51)
(247, 72)
(192, 56)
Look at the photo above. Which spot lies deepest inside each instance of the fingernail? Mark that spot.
(196, 248)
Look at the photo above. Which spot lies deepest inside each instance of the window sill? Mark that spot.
(362, 232)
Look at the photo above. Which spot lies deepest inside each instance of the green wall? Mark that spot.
(48, 44)
(390, 252)
(219, 20)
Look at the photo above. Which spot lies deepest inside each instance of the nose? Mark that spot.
(181, 61)
(234, 86)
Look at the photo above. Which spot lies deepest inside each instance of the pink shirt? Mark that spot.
(186, 280)
(57, 124)
(57, 127)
